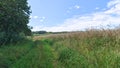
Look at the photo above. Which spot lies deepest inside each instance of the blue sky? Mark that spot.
(73, 15)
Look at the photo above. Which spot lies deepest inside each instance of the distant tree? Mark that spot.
(39, 32)
(14, 17)
(42, 32)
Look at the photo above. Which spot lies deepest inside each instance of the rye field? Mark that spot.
(83, 49)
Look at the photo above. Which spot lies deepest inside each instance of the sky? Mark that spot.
(73, 15)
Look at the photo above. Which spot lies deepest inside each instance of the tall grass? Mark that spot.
(89, 49)
(86, 49)
(29, 54)
(39, 57)
(10, 54)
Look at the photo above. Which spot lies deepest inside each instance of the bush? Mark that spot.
(10, 38)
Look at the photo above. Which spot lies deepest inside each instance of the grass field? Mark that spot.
(89, 49)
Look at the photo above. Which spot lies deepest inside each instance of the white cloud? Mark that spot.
(97, 8)
(76, 6)
(30, 16)
(98, 19)
(73, 8)
(43, 17)
(114, 6)
(112, 3)
(35, 17)
(41, 20)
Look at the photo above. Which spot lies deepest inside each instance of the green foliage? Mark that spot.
(11, 54)
(48, 41)
(14, 17)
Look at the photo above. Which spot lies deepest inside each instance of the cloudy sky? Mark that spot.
(73, 15)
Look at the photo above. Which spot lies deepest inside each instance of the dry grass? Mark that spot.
(87, 49)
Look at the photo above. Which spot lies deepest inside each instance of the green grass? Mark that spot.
(39, 57)
(92, 49)
(29, 54)
(9, 54)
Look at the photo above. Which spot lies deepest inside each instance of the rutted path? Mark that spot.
(41, 56)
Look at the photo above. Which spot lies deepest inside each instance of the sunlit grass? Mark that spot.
(85, 49)
(90, 49)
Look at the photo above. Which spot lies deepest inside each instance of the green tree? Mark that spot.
(14, 17)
